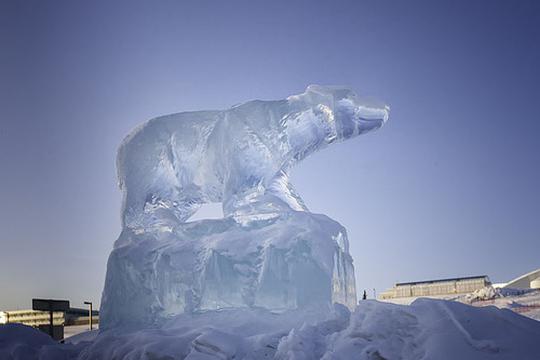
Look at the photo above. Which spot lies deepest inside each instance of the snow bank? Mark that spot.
(435, 329)
(21, 342)
(525, 302)
(427, 329)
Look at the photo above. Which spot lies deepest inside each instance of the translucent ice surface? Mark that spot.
(268, 251)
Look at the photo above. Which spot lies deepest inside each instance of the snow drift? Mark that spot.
(427, 329)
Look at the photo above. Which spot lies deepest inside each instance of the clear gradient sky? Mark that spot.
(449, 187)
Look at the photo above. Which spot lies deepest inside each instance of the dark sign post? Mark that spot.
(89, 312)
(50, 306)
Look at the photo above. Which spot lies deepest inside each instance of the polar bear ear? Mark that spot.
(314, 88)
(319, 90)
(313, 96)
(337, 92)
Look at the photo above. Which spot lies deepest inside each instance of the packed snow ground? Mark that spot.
(426, 329)
(525, 302)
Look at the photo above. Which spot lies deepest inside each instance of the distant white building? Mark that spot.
(448, 288)
(528, 281)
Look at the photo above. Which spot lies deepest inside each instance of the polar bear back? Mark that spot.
(159, 162)
(177, 162)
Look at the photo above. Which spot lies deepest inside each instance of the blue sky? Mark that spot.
(448, 188)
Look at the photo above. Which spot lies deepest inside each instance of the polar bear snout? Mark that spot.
(354, 117)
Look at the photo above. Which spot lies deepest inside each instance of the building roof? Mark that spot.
(443, 280)
(533, 275)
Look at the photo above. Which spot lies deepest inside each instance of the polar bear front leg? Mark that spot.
(263, 201)
(281, 187)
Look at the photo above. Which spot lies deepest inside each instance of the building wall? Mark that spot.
(31, 317)
(435, 288)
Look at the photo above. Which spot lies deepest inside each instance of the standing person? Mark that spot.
(364, 297)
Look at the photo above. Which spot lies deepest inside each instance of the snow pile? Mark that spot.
(525, 302)
(20, 342)
(485, 293)
(427, 329)
(490, 293)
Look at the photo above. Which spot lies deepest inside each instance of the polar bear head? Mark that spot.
(351, 114)
(327, 114)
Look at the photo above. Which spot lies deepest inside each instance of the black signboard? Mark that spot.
(50, 305)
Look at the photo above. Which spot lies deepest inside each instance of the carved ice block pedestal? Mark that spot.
(293, 260)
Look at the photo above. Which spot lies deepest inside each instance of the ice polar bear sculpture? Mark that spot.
(268, 250)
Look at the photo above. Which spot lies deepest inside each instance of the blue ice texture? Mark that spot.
(269, 251)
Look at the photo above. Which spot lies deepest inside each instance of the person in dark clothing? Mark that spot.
(364, 297)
